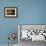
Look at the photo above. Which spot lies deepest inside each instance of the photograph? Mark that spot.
(32, 32)
(11, 12)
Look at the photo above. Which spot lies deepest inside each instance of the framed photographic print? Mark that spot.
(33, 32)
(10, 12)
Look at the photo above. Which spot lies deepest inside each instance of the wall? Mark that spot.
(29, 12)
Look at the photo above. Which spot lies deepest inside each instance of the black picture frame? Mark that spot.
(10, 12)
